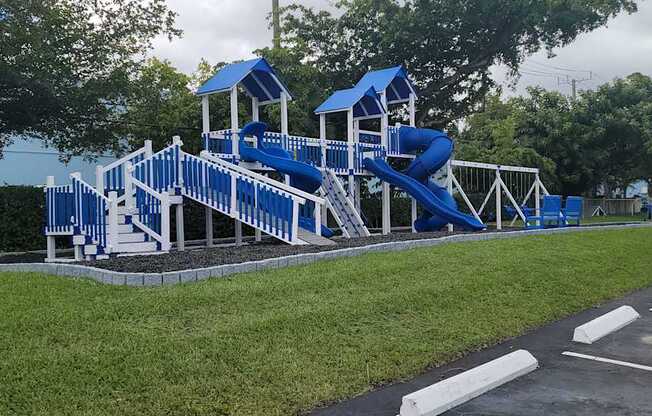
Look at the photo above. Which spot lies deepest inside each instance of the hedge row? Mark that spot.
(22, 219)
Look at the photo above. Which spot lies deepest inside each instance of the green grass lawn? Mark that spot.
(284, 341)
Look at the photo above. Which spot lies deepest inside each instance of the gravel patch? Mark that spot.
(216, 256)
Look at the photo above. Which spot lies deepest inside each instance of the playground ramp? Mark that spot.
(347, 217)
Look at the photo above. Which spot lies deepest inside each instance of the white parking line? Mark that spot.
(607, 360)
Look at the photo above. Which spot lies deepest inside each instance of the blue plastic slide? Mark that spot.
(302, 176)
(440, 206)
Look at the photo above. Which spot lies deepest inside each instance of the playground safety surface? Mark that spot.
(561, 386)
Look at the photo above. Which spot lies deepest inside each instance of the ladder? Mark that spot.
(347, 217)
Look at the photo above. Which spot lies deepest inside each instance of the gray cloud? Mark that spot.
(227, 30)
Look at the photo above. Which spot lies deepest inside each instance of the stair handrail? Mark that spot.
(175, 147)
(120, 167)
(104, 210)
(163, 235)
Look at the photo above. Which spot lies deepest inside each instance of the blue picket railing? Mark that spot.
(219, 142)
(60, 206)
(160, 171)
(337, 157)
(113, 175)
(206, 182)
(394, 147)
(90, 212)
(363, 150)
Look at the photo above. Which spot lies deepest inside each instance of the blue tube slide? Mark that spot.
(440, 206)
(302, 176)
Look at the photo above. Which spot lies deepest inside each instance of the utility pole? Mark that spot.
(276, 23)
(573, 83)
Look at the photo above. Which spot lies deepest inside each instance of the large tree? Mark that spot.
(66, 67)
(603, 139)
(447, 45)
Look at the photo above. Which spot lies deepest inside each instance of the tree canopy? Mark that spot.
(448, 46)
(66, 67)
(602, 139)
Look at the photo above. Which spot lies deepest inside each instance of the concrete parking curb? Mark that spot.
(193, 275)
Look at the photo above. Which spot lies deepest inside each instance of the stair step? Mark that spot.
(131, 238)
(125, 228)
(141, 247)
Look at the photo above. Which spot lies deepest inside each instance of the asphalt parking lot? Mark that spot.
(563, 385)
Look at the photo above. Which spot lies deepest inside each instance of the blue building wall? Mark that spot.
(28, 163)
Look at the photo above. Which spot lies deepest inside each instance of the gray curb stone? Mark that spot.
(184, 276)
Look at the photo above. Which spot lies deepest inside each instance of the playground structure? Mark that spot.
(127, 210)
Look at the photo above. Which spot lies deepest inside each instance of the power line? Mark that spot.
(559, 68)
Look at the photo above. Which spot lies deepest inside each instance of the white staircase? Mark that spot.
(131, 240)
(342, 207)
(104, 224)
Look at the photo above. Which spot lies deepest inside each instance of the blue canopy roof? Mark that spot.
(364, 102)
(256, 76)
(393, 80)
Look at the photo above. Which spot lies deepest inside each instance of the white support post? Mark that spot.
(165, 221)
(413, 123)
(78, 253)
(50, 240)
(351, 145)
(148, 149)
(177, 141)
(537, 195)
(284, 113)
(255, 109)
(317, 219)
(113, 223)
(386, 192)
(413, 213)
(99, 179)
(356, 131)
(205, 115)
(129, 189)
(413, 110)
(322, 138)
(499, 208)
(295, 220)
(235, 140)
(51, 246)
(181, 238)
(449, 182)
(235, 126)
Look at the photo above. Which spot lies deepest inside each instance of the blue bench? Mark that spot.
(551, 215)
(573, 211)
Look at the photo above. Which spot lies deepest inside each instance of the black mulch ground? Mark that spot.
(207, 257)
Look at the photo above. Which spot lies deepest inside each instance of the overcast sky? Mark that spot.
(227, 30)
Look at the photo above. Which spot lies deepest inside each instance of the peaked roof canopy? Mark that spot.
(256, 76)
(364, 102)
(393, 80)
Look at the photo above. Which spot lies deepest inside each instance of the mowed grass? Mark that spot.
(285, 341)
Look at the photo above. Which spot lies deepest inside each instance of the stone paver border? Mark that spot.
(194, 275)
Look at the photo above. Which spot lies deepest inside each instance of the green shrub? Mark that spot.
(22, 218)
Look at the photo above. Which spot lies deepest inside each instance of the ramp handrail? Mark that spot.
(242, 196)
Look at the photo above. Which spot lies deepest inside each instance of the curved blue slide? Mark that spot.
(302, 176)
(440, 206)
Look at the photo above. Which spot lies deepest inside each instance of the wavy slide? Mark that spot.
(302, 176)
(440, 206)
